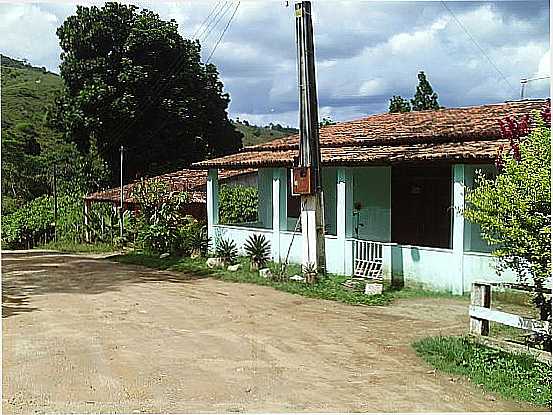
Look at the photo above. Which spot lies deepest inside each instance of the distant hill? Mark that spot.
(254, 134)
(27, 91)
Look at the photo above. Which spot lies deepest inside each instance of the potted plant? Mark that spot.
(197, 241)
(310, 273)
(258, 249)
(226, 251)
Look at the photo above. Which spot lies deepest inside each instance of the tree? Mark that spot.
(132, 80)
(425, 97)
(20, 165)
(399, 104)
(513, 209)
(324, 123)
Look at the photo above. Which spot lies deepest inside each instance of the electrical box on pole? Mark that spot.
(307, 171)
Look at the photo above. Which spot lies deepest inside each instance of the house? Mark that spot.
(394, 189)
(191, 181)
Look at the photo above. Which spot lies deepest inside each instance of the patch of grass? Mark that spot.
(507, 332)
(328, 288)
(514, 297)
(513, 376)
(97, 248)
(417, 292)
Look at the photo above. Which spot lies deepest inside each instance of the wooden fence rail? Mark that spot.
(481, 314)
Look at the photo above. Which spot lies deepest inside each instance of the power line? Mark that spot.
(216, 18)
(223, 34)
(478, 45)
(208, 34)
(205, 20)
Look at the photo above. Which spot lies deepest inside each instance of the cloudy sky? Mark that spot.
(366, 51)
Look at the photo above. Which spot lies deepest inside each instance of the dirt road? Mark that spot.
(89, 335)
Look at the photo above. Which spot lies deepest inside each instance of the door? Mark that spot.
(421, 206)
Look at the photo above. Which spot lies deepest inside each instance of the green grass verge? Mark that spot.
(97, 248)
(328, 288)
(513, 376)
(418, 292)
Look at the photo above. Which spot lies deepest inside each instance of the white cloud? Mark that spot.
(366, 51)
(544, 67)
(28, 32)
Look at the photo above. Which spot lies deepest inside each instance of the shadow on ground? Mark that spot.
(29, 274)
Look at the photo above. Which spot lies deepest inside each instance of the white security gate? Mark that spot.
(367, 259)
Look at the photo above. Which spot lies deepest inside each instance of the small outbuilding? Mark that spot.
(394, 190)
(193, 182)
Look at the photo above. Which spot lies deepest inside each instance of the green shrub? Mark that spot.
(161, 218)
(514, 208)
(226, 250)
(193, 234)
(237, 204)
(33, 223)
(258, 249)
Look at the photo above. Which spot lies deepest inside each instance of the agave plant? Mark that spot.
(226, 250)
(258, 249)
(199, 242)
(310, 272)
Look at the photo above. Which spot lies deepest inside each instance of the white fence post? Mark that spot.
(480, 295)
(212, 203)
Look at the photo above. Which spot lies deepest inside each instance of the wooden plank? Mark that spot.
(514, 286)
(508, 319)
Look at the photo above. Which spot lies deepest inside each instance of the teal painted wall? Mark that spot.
(411, 265)
(329, 191)
(372, 187)
(432, 268)
(473, 238)
(265, 198)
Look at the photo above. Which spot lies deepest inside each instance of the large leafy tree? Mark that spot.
(514, 208)
(131, 79)
(425, 98)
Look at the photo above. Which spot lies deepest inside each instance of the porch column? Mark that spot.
(212, 203)
(87, 204)
(344, 216)
(458, 234)
(279, 210)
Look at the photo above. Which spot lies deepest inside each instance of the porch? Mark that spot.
(406, 221)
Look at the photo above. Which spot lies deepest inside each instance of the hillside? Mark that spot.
(254, 134)
(27, 92)
(27, 140)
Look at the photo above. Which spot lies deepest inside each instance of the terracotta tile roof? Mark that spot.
(191, 181)
(470, 133)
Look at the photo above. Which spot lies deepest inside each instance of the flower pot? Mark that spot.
(310, 278)
(254, 266)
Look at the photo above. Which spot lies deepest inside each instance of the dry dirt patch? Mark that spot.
(82, 334)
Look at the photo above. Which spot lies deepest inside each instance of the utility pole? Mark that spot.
(55, 204)
(307, 171)
(121, 198)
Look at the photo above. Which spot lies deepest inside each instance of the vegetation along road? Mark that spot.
(84, 334)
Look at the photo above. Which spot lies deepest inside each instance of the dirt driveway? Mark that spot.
(88, 335)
